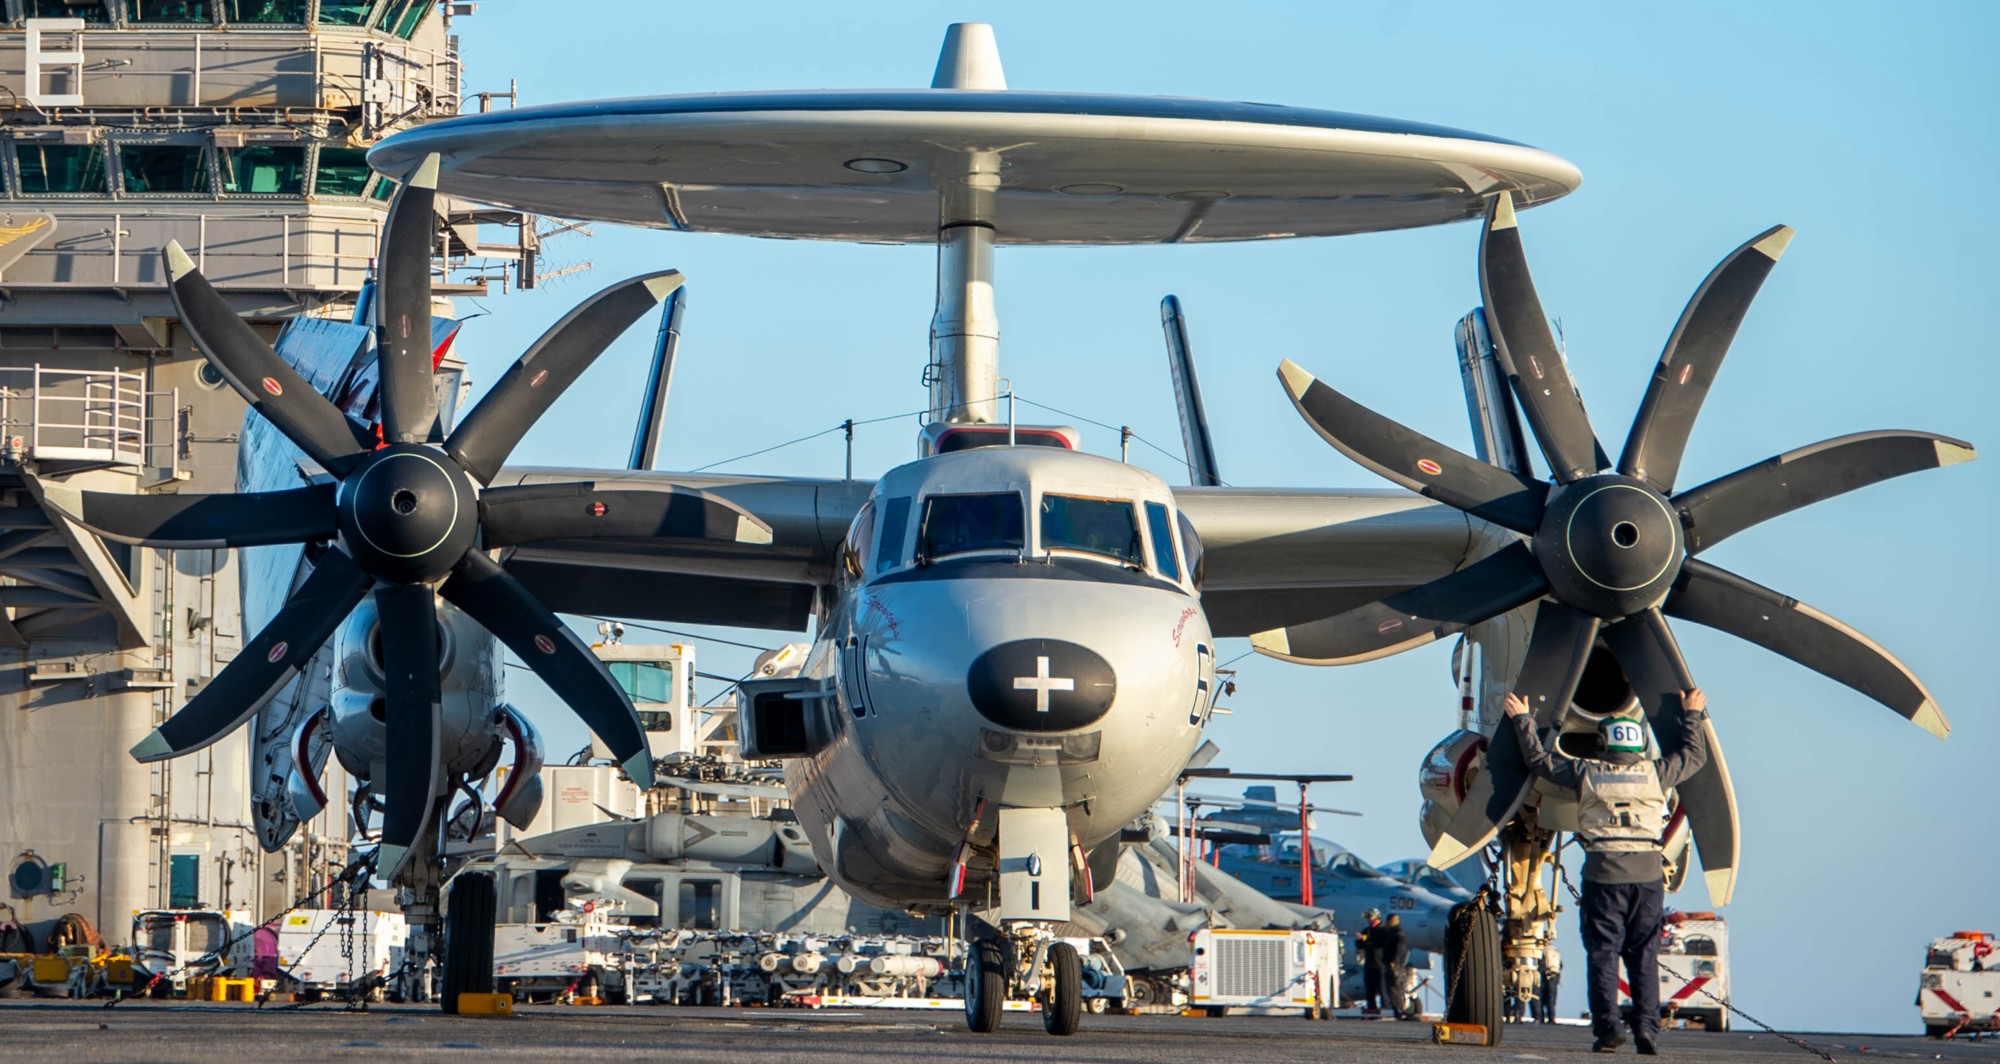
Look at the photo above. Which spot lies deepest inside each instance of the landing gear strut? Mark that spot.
(1022, 960)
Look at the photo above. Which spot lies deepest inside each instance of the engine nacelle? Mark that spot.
(470, 728)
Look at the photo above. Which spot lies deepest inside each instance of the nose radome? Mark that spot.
(1041, 685)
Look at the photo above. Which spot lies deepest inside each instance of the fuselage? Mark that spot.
(1013, 627)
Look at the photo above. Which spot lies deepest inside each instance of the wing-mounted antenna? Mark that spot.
(1187, 396)
(653, 408)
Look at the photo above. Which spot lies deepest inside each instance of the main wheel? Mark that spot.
(468, 939)
(985, 987)
(1065, 1005)
(1472, 970)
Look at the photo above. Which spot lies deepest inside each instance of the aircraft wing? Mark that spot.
(1279, 556)
(740, 585)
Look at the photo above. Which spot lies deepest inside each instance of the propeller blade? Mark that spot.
(540, 512)
(403, 349)
(410, 673)
(1548, 678)
(496, 600)
(263, 379)
(1720, 599)
(250, 519)
(1487, 588)
(1723, 507)
(1651, 659)
(1528, 351)
(265, 664)
(1414, 460)
(1693, 354)
(485, 437)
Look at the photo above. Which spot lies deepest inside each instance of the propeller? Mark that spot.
(1609, 552)
(406, 519)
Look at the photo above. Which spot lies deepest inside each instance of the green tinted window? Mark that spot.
(89, 12)
(265, 170)
(404, 16)
(644, 681)
(197, 11)
(384, 189)
(282, 11)
(1162, 529)
(342, 172)
(344, 12)
(48, 167)
(163, 167)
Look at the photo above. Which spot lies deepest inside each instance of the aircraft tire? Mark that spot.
(468, 939)
(1064, 1009)
(985, 987)
(1472, 968)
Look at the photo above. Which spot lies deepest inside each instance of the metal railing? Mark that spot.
(85, 415)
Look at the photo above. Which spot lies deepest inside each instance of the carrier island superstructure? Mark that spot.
(238, 128)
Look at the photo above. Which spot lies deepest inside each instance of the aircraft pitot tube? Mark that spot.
(409, 518)
(1609, 552)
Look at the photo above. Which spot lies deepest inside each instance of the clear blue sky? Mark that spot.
(1869, 128)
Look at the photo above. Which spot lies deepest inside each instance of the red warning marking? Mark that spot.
(1686, 372)
(597, 509)
(277, 653)
(1389, 625)
(545, 644)
(1428, 467)
(271, 385)
(1688, 991)
(536, 380)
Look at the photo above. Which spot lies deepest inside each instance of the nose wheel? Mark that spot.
(1023, 960)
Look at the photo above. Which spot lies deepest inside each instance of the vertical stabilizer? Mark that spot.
(970, 59)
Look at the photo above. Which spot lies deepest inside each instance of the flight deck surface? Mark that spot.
(155, 1032)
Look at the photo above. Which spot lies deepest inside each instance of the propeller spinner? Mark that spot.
(1610, 552)
(408, 519)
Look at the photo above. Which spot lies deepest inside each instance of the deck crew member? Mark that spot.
(1621, 816)
(1368, 943)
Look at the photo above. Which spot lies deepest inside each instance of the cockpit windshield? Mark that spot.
(959, 524)
(1349, 866)
(1106, 527)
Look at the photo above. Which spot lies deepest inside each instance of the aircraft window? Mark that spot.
(168, 11)
(341, 172)
(266, 11)
(163, 168)
(345, 12)
(854, 552)
(701, 904)
(1162, 531)
(1352, 867)
(265, 170)
(1191, 550)
(49, 167)
(957, 524)
(895, 518)
(1093, 526)
(644, 681)
(89, 12)
(656, 892)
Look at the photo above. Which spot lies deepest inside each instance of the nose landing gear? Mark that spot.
(1024, 960)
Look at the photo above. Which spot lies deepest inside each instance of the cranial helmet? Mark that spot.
(1622, 735)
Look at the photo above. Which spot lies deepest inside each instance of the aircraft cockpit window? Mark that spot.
(860, 534)
(895, 523)
(1104, 527)
(961, 524)
(1351, 867)
(1161, 528)
(1191, 550)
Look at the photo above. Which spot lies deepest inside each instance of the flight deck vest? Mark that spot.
(1620, 808)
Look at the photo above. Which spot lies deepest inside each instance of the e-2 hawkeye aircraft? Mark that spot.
(1014, 642)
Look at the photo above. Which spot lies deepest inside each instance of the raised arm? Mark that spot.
(1555, 766)
(1693, 752)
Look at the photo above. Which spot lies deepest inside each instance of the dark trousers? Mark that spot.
(1371, 981)
(1621, 921)
(1546, 1008)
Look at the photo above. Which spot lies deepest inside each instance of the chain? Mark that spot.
(365, 862)
(343, 918)
(1800, 1042)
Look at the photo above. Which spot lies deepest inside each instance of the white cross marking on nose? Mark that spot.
(1042, 683)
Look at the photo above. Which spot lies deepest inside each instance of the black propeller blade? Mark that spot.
(1611, 549)
(408, 519)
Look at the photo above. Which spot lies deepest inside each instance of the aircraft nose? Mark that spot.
(1041, 685)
